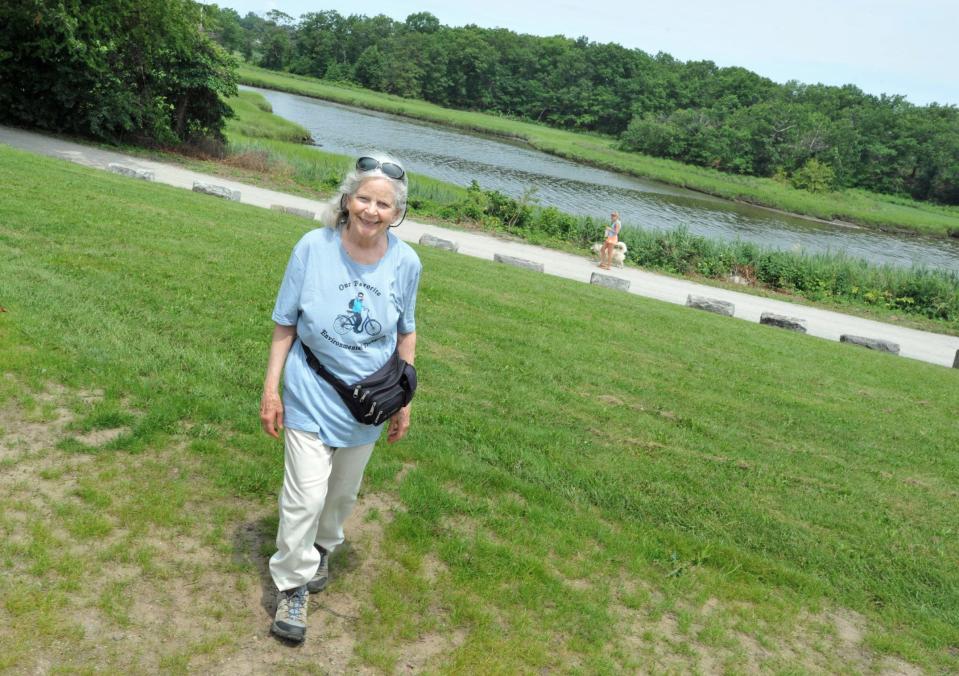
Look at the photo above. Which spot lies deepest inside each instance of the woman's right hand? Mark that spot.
(271, 406)
(271, 414)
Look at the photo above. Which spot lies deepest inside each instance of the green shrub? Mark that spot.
(814, 176)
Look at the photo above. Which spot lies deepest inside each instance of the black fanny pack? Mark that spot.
(378, 396)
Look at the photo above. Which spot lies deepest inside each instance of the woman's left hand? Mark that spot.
(399, 424)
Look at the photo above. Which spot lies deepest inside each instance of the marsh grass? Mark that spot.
(854, 205)
(253, 118)
(595, 482)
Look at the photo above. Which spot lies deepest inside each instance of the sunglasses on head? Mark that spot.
(390, 169)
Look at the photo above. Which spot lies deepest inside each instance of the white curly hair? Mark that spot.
(334, 213)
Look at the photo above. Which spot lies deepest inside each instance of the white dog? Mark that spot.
(619, 252)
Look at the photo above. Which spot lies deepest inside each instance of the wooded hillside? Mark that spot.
(817, 137)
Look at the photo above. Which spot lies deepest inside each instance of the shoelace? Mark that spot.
(296, 600)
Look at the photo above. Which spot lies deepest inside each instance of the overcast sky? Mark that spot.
(881, 46)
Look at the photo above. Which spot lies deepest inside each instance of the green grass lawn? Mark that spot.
(594, 482)
(853, 205)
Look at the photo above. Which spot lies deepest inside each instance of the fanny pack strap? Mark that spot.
(378, 396)
(341, 388)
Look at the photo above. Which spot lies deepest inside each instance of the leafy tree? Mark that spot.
(275, 48)
(370, 68)
(422, 22)
(470, 67)
(224, 25)
(653, 135)
(360, 32)
(279, 18)
(319, 36)
(113, 69)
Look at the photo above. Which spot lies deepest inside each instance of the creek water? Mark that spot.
(514, 169)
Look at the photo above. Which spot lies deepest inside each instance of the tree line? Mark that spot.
(143, 71)
(816, 137)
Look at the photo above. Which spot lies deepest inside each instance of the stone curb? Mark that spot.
(720, 307)
(518, 262)
(783, 322)
(293, 211)
(429, 240)
(608, 281)
(870, 343)
(216, 191)
(132, 172)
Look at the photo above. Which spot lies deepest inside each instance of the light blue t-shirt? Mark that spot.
(317, 295)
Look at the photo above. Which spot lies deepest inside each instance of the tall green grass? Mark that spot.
(582, 463)
(858, 206)
(820, 277)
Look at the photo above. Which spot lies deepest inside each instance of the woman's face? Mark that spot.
(372, 208)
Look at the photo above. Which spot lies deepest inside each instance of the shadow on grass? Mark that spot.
(253, 543)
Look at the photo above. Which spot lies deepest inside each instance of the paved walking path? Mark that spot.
(930, 347)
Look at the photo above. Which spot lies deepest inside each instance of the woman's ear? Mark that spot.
(343, 202)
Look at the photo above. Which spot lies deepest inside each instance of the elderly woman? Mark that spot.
(326, 444)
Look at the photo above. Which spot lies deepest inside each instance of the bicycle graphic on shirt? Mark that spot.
(358, 320)
(343, 324)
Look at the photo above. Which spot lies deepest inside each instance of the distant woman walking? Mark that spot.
(612, 237)
(337, 389)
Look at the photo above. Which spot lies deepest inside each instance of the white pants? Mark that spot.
(320, 485)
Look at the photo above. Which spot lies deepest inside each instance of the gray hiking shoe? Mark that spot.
(290, 619)
(322, 575)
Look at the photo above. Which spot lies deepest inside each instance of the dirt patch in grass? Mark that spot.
(333, 613)
(416, 656)
(720, 636)
(258, 161)
(123, 582)
(27, 434)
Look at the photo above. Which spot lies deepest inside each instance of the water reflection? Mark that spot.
(459, 157)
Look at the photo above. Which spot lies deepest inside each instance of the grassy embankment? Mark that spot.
(853, 205)
(260, 150)
(594, 482)
(252, 119)
(266, 149)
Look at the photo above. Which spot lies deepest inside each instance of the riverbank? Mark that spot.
(928, 301)
(925, 299)
(547, 513)
(854, 206)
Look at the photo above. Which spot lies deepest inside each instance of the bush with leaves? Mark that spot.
(138, 70)
(814, 176)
